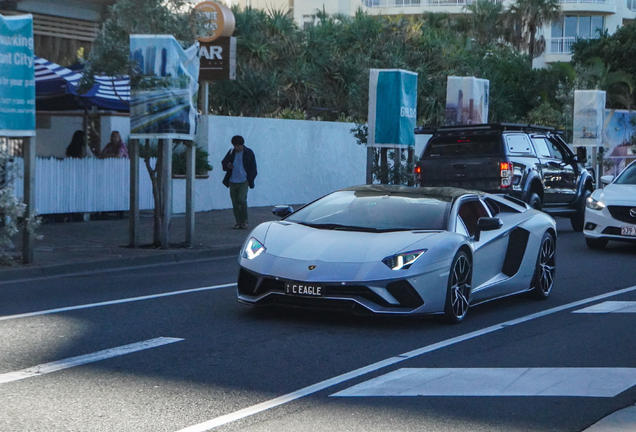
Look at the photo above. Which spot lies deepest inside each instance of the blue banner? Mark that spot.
(17, 76)
(392, 108)
(164, 88)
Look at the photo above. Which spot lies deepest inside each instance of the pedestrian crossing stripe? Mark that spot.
(502, 382)
(610, 307)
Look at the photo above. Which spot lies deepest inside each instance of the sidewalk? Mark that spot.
(102, 243)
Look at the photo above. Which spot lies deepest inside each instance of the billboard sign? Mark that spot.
(218, 59)
(466, 100)
(219, 20)
(164, 88)
(392, 108)
(589, 112)
(17, 76)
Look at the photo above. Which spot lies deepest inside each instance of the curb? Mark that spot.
(34, 271)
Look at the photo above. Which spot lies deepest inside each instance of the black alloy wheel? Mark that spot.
(543, 279)
(459, 287)
(535, 201)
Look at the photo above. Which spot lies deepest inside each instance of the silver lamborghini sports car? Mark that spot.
(399, 250)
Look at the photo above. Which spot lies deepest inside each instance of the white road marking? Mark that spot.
(113, 302)
(263, 406)
(610, 307)
(84, 359)
(567, 382)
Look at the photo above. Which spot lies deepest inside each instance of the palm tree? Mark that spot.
(485, 22)
(524, 18)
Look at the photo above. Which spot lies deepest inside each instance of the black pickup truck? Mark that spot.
(531, 163)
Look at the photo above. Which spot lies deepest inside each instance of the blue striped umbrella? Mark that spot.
(54, 81)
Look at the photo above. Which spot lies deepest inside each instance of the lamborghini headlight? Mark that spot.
(593, 204)
(404, 260)
(253, 248)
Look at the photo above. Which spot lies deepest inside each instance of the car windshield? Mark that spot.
(374, 211)
(628, 176)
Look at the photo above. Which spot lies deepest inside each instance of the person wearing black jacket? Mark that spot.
(240, 166)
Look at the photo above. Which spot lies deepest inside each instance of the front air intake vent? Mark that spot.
(404, 293)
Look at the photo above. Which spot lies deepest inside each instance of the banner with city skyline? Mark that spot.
(163, 88)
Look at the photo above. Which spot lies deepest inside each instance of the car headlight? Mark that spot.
(404, 260)
(253, 248)
(593, 204)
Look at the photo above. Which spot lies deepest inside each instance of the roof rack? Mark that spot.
(485, 127)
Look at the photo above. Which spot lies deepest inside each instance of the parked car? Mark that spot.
(399, 250)
(532, 163)
(610, 212)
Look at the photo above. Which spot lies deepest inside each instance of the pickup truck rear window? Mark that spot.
(463, 146)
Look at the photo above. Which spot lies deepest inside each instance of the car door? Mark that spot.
(489, 248)
(550, 170)
(565, 183)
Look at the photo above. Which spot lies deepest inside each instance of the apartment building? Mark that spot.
(581, 18)
(60, 27)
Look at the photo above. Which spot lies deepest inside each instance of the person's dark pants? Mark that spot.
(238, 195)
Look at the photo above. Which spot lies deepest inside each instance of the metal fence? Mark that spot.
(84, 185)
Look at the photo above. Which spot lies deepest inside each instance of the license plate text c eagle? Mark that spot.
(303, 289)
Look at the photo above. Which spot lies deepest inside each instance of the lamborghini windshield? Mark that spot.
(374, 211)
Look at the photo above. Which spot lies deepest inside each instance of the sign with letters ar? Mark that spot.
(392, 108)
(217, 59)
(17, 76)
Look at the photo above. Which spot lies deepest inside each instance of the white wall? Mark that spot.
(54, 134)
(298, 161)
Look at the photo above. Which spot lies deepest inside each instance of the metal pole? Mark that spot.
(28, 255)
(206, 98)
(133, 151)
(190, 174)
(166, 191)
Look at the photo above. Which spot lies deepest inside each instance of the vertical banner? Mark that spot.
(163, 89)
(466, 100)
(589, 112)
(392, 108)
(17, 76)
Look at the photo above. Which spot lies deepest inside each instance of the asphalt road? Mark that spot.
(168, 348)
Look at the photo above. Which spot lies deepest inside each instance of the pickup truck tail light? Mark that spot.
(505, 171)
(418, 174)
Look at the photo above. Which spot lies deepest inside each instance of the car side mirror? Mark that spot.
(487, 224)
(581, 154)
(282, 210)
(606, 179)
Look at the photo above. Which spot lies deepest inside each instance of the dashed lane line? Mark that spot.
(281, 400)
(493, 382)
(113, 302)
(610, 307)
(85, 359)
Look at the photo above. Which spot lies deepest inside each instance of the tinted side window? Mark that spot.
(489, 145)
(518, 145)
(558, 152)
(542, 147)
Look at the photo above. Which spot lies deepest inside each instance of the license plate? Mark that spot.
(628, 231)
(303, 289)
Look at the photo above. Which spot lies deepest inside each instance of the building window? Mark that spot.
(570, 27)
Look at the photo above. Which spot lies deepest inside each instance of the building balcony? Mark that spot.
(559, 46)
(418, 3)
(599, 6)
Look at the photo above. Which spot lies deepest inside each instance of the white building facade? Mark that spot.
(581, 18)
